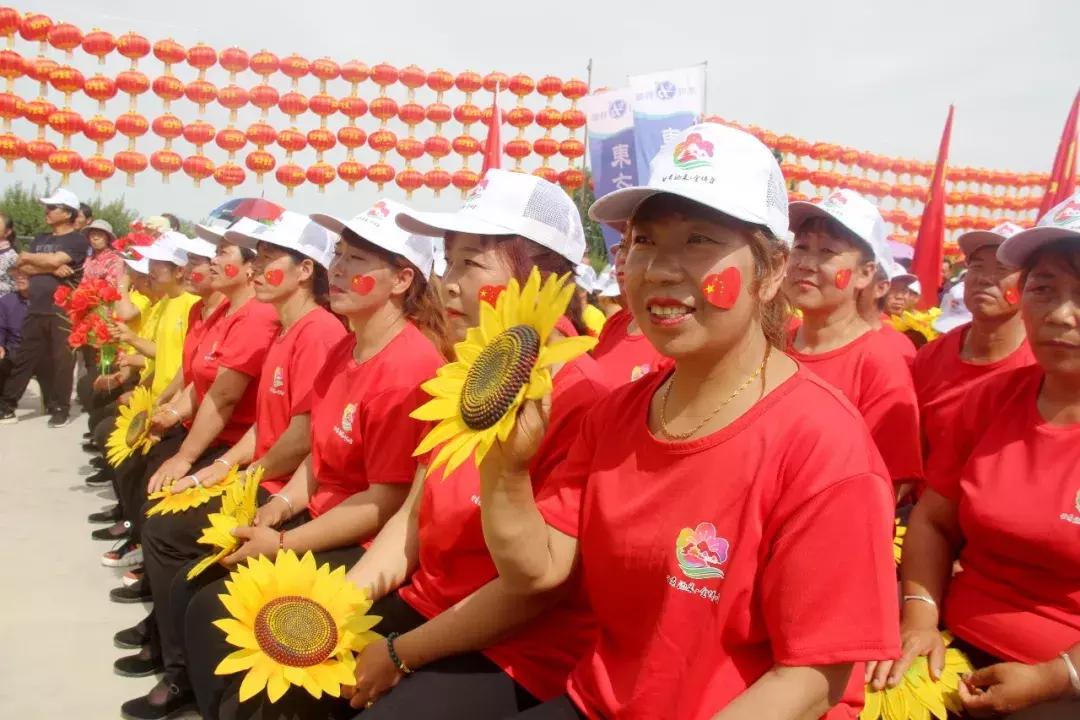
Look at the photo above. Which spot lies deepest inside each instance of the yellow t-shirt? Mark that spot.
(171, 328)
(148, 323)
(594, 319)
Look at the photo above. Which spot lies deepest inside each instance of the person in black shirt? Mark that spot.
(52, 259)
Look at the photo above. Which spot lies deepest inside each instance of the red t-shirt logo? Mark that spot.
(701, 552)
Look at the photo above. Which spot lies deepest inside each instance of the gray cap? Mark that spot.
(103, 225)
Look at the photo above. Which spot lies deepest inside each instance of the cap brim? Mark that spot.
(331, 223)
(209, 234)
(1016, 250)
(140, 266)
(436, 224)
(800, 211)
(199, 247)
(619, 206)
(969, 242)
(242, 239)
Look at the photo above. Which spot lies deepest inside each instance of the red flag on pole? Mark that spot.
(493, 146)
(930, 245)
(1062, 182)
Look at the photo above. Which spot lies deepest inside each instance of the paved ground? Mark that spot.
(56, 620)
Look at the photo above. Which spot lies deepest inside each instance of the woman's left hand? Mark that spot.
(256, 541)
(1009, 687)
(170, 471)
(376, 675)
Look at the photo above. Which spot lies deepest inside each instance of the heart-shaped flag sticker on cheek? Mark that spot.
(722, 289)
(1012, 296)
(231, 271)
(362, 284)
(490, 293)
(275, 277)
(197, 277)
(842, 279)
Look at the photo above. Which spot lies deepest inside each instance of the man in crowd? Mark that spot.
(13, 308)
(85, 216)
(53, 258)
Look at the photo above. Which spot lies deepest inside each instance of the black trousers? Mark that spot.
(84, 386)
(5, 370)
(461, 686)
(560, 708)
(43, 350)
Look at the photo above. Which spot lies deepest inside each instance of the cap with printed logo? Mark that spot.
(510, 203)
(224, 216)
(166, 249)
(969, 242)
(720, 167)
(853, 212)
(291, 231)
(1061, 222)
(379, 226)
(954, 312)
(63, 197)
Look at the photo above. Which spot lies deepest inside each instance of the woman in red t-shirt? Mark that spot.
(1004, 499)
(733, 534)
(871, 303)
(839, 244)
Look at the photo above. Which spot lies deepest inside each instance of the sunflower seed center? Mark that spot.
(136, 428)
(497, 376)
(295, 631)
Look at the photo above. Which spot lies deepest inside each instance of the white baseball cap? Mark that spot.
(291, 231)
(196, 246)
(1062, 221)
(585, 277)
(912, 280)
(901, 251)
(969, 242)
(63, 197)
(954, 312)
(510, 203)
(854, 212)
(166, 249)
(141, 266)
(720, 167)
(606, 284)
(379, 226)
(224, 216)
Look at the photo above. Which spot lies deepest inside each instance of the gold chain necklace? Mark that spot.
(667, 392)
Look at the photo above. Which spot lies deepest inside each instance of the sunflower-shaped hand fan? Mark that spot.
(132, 431)
(238, 506)
(294, 625)
(898, 540)
(191, 497)
(500, 364)
(918, 697)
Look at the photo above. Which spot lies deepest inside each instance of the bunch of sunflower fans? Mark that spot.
(920, 321)
(502, 363)
(132, 432)
(238, 505)
(918, 696)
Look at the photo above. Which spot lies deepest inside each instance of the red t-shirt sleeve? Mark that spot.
(390, 435)
(829, 584)
(244, 348)
(891, 412)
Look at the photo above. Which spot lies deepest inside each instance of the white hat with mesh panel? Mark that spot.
(510, 203)
(852, 211)
(378, 225)
(166, 248)
(1060, 222)
(291, 231)
(720, 167)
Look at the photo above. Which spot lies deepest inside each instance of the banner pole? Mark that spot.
(581, 191)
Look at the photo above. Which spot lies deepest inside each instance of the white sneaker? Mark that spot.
(125, 554)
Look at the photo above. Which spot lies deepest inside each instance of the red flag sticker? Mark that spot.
(722, 290)
(843, 278)
(490, 293)
(231, 270)
(1012, 296)
(275, 277)
(197, 277)
(362, 284)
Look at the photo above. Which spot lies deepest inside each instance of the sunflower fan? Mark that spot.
(132, 431)
(898, 540)
(191, 497)
(238, 506)
(294, 625)
(920, 321)
(500, 364)
(918, 697)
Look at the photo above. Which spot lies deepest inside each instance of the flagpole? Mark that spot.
(705, 93)
(581, 191)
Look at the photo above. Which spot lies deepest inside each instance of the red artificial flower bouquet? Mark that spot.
(88, 307)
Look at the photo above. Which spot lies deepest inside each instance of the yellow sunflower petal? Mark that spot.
(896, 704)
(276, 684)
(243, 659)
(558, 352)
(439, 408)
(872, 705)
(256, 679)
(444, 386)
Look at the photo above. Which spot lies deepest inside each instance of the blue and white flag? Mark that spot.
(665, 103)
(612, 156)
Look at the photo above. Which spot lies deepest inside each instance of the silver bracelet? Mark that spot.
(175, 412)
(922, 598)
(1074, 677)
(287, 501)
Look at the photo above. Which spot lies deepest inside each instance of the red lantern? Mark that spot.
(849, 156)
(234, 60)
(40, 69)
(384, 74)
(575, 89)
(133, 46)
(199, 133)
(351, 172)
(130, 162)
(38, 152)
(198, 168)
(9, 23)
(323, 105)
(321, 140)
(233, 97)
(230, 140)
(381, 174)
(495, 80)
(260, 162)
(65, 36)
(98, 168)
(12, 66)
(261, 134)
(291, 141)
(465, 145)
(263, 97)
(412, 77)
(202, 57)
(355, 72)
(168, 88)
(409, 180)
(67, 80)
(546, 147)
(295, 67)
(573, 119)
(467, 114)
(437, 180)
(99, 130)
(382, 141)
(66, 122)
(794, 172)
(293, 104)
(132, 125)
(437, 146)
(571, 179)
(520, 117)
(321, 174)
(410, 148)
(549, 86)
(11, 149)
(352, 107)
(168, 127)
(521, 85)
(465, 180)
(549, 118)
(547, 173)
(38, 112)
(384, 108)
(66, 162)
(265, 63)
(201, 92)
(518, 149)
(291, 176)
(100, 88)
(229, 176)
(169, 52)
(35, 28)
(411, 114)
(99, 44)
(468, 82)
(132, 82)
(572, 148)
(438, 113)
(440, 81)
(11, 108)
(352, 137)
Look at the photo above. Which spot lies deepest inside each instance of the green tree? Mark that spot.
(23, 206)
(595, 247)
